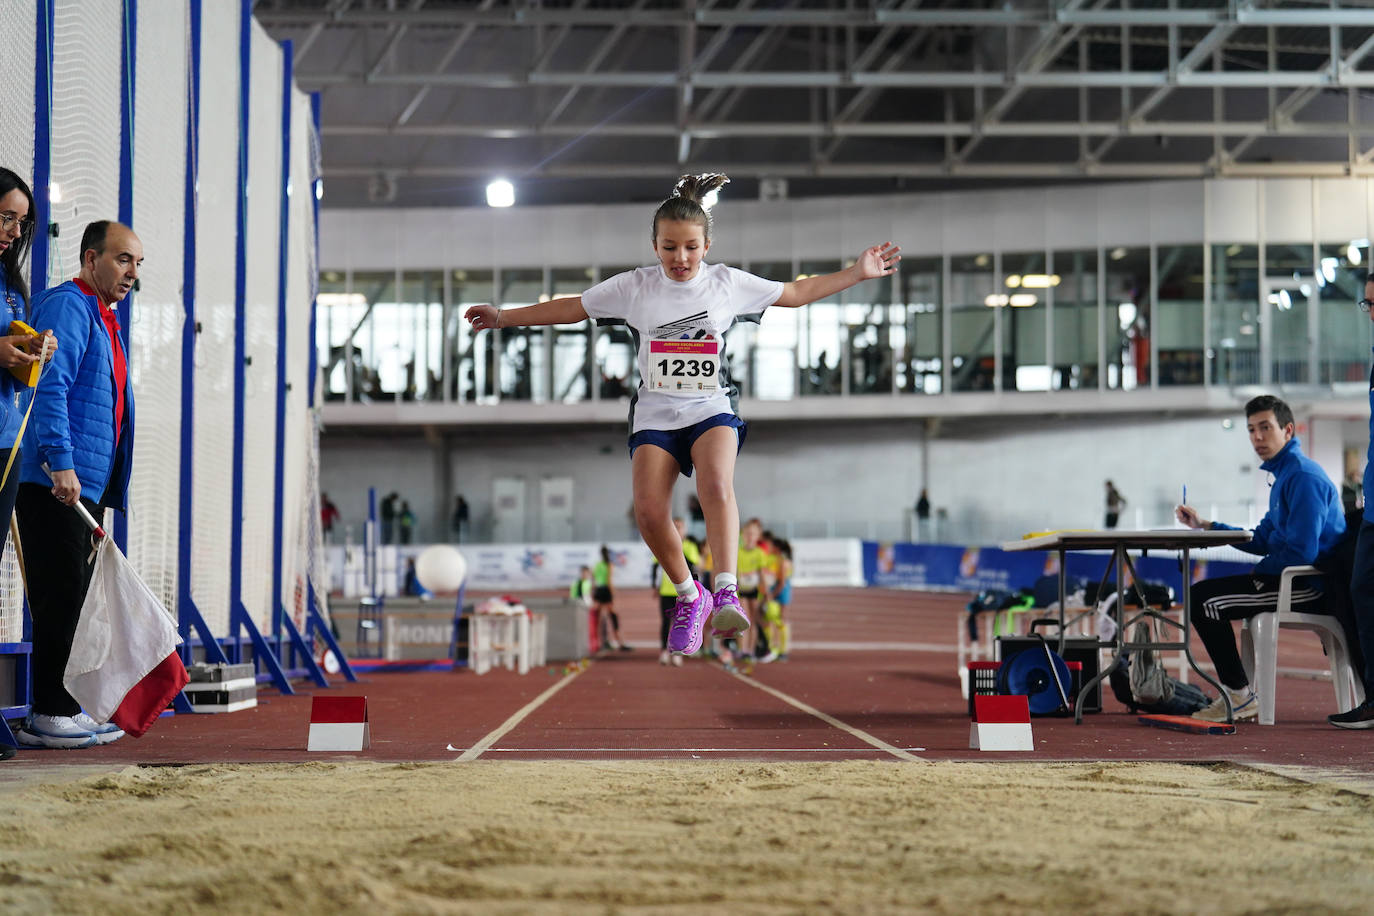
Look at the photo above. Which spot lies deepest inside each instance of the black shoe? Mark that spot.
(1361, 716)
(7, 751)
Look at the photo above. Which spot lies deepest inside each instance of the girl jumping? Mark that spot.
(683, 415)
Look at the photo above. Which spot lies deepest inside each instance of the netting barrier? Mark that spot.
(19, 25)
(260, 305)
(89, 120)
(85, 124)
(158, 310)
(216, 236)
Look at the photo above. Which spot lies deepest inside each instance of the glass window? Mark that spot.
(615, 353)
(1289, 283)
(1178, 315)
(916, 334)
(1235, 322)
(1075, 320)
(821, 351)
(524, 356)
(376, 368)
(1344, 333)
(774, 358)
(1127, 328)
(1026, 282)
(573, 360)
(339, 311)
(972, 317)
(868, 329)
(419, 332)
(472, 372)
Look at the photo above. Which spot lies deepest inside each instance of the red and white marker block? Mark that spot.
(1001, 723)
(339, 724)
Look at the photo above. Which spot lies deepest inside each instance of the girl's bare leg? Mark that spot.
(713, 454)
(654, 472)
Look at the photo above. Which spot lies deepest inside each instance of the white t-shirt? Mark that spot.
(679, 334)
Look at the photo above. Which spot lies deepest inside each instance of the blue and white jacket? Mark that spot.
(1305, 518)
(72, 427)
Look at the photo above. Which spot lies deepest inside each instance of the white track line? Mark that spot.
(833, 722)
(481, 747)
(681, 750)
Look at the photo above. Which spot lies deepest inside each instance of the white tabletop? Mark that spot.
(1158, 539)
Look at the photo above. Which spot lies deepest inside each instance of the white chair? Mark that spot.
(1259, 648)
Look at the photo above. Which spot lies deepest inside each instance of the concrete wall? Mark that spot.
(995, 480)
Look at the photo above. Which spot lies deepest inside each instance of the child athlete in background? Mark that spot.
(683, 415)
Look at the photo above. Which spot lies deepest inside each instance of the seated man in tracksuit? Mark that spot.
(1305, 521)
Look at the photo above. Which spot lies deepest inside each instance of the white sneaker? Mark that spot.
(677, 661)
(104, 734)
(664, 656)
(54, 731)
(1244, 705)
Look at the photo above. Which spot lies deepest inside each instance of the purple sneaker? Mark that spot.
(729, 618)
(689, 619)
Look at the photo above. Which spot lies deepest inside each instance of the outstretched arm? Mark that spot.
(564, 310)
(878, 261)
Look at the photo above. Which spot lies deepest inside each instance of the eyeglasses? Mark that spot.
(1365, 304)
(9, 219)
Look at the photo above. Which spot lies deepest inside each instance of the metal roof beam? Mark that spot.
(896, 129)
(1038, 170)
(821, 80)
(529, 16)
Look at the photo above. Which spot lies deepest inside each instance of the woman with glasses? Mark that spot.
(16, 234)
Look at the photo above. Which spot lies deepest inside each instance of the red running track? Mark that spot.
(872, 676)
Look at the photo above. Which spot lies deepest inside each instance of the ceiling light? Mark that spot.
(1039, 281)
(1353, 253)
(1117, 254)
(1023, 300)
(1014, 281)
(500, 193)
(996, 299)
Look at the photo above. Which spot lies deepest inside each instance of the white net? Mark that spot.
(158, 309)
(17, 24)
(216, 235)
(300, 488)
(261, 305)
(85, 124)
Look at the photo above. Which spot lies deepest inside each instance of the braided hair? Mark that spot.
(685, 204)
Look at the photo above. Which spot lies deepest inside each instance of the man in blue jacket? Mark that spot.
(1362, 569)
(79, 445)
(1305, 521)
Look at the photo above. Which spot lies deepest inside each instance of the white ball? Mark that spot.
(441, 568)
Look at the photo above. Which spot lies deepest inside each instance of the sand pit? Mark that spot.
(599, 837)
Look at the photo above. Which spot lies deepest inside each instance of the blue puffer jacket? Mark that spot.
(11, 407)
(72, 426)
(1305, 518)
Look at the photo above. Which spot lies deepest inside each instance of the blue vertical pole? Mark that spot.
(316, 191)
(128, 52)
(40, 252)
(240, 318)
(283, 384)
(239, 617)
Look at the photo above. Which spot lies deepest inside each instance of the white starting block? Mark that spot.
(1001, 723)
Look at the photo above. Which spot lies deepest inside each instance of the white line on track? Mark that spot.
(481, 747)
(833, 722)
(682, 750)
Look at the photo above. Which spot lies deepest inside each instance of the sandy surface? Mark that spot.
(612, 837)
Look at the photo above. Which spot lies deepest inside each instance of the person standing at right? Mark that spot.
(1362, 570)
(1115, 503)
(78, 446)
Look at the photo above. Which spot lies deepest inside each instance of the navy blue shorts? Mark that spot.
(679, 442)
